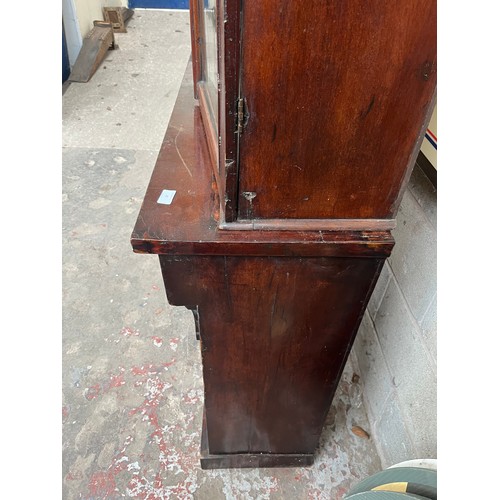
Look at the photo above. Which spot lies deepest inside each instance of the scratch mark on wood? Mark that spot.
(179, 153)
(364, 113)
(226, 283)
(274, 133)
(272, 312)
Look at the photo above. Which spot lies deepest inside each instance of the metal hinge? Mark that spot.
(242, 115)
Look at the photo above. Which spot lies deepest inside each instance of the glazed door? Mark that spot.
(204, 22)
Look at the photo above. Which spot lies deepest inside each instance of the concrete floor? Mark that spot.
(132, 386)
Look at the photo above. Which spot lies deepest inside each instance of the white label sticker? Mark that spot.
(166, 196)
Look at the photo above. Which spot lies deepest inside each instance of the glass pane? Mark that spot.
(211, 52)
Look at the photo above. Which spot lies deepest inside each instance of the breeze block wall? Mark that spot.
(395, 350)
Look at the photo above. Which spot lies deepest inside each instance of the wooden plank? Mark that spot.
(106, 24)
(311, 225)
(208, 117)
(94, 48)
(196, 43)
(229, 69)
(117, 16)
(248, 460)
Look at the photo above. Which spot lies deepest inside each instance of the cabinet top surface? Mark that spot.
(187, 223)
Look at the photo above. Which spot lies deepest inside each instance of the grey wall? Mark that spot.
(395, 350)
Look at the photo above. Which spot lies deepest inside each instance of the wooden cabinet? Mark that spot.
(288, 166)
(320, 107)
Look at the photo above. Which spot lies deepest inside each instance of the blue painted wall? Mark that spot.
(159, 4)
(65, 58)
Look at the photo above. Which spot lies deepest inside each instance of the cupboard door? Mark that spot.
(337, 95)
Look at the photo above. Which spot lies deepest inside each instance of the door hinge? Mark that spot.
(242, 115)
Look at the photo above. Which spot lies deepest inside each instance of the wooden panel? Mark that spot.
(338, 94)
(275, 334)
(196, 44)
(118, 17)
(94, 49)
(204, 52)
(229, 67)
(189, 225)
(208, 117)
(246, 460)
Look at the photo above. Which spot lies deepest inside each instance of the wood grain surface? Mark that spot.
(275, 335)
(338, 94)
(189, 225)
(276, 311)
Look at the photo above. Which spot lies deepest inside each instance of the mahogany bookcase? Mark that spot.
(273, 198)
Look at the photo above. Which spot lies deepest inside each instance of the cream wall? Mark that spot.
(89, 10)
(427, 148)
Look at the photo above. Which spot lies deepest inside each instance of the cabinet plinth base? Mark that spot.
(249, 460)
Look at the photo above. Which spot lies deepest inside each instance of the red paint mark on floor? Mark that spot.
(65, 412)
(102, 484)
(137, 486)
(148, 409)
(116, 381)
(105, 386)
(275, 485)
(155, 287)
(340, 493)
(157, 341)
(143, 370)
(183, 490)
(74, 476)
(155, 388)
(170, 458)
(128, 331)
(92, 392)
(151, 369)
(173, 343)
(314, 494)
(149, 484)
(193, 397)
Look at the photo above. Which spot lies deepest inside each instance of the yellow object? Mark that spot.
(401, 487)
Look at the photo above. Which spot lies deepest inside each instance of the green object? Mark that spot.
(421, 482)
(384, 495)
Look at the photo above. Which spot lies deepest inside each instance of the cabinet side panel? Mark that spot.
(336, 94)
(275, 335)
